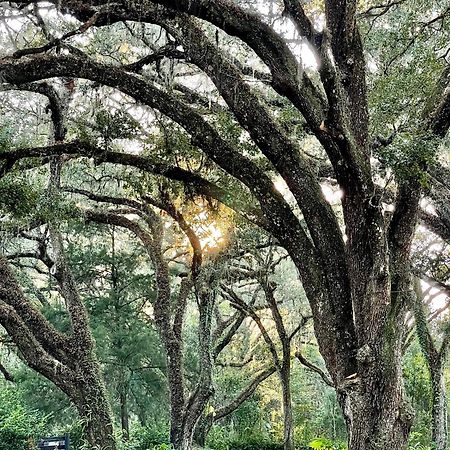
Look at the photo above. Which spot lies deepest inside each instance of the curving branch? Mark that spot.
(193, 181)
(226, 410)
(51, 340)
(326, 379)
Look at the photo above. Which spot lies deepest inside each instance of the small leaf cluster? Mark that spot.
(326, 444)
(409, 155)
(115, 125)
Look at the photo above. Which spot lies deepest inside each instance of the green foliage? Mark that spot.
(218, 440)
(19, 425)
(417, 441)
(231, 130)
(40, 394)
(115, 125)
(11, 136)
(404, 58)
(6, 137)
(17, 197)
(326, 444)
(146, 438)
(418, 388)
(408, 156)
(25, 199)
(105, 126)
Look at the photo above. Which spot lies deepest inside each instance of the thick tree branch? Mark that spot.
(191, 180)
(283, 223)
(54, 342)
(33, 352)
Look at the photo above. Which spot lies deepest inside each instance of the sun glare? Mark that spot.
(211, 227)
(211, 237)
(208, 231)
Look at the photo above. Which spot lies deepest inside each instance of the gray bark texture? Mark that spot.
(68, 361)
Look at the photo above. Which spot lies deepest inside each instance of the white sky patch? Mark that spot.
(332, 196)
(440, 299)
(388, 207)
(281, 186)
(427, 206)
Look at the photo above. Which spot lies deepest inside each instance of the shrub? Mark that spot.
(20, 426)
(326, 444)
(143, 438)
(220, 441)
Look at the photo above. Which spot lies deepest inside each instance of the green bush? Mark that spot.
(418, 441)
(326, 444)
(143, 438)
(19, 425)
(253, 444)
(218, 440)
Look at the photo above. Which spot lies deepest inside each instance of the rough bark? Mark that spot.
(71, 366)
(94, 409)
(374, 403)
(439, 407)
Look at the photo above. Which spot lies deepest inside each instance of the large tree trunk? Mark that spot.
(96, 420)
(373, 401)
(439, 408)
(376, 420)
(93, 408)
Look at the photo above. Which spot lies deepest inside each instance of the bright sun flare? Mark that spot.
(210, 235)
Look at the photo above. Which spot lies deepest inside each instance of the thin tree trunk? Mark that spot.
(435, 358)
(288, 433)
(198, 400)
(439, 409)
(124, 419)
